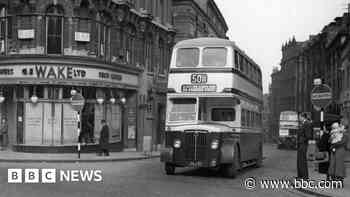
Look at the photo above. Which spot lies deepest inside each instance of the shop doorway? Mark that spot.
(87, 124)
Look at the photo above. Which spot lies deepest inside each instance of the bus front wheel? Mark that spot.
(231, 170)
(169, 169)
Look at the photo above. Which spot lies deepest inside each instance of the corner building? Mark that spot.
(114, 52)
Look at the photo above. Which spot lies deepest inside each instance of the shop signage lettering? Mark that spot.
(105, 75)
(65, 73)
(54, 72)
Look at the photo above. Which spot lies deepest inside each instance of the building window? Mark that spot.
(2, 30)
(54, 29)
(149, 54)
(162, 11)
(236, 60)
(241, 66)
(162, 57)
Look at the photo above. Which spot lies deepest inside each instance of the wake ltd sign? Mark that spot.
(54, 72)
(65, 72)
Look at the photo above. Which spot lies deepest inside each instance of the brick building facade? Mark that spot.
(324, 56)
(198, 18)
(115, 53)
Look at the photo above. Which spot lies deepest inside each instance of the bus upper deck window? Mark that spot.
(187, 57)
(214, 56)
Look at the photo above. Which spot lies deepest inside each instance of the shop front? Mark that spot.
(37, 112)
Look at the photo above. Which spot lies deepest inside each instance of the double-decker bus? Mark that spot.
(288, 127)
(214, 106)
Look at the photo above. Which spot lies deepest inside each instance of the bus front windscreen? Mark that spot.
(187, 57)
(182, 109)
(214, 56)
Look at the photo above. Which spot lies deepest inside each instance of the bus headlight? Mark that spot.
(177, 143)
(214, 144)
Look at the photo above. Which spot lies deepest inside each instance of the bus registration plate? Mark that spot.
(199, 88)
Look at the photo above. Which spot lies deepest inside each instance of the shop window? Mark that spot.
(89, 92)
(53, 92)
(66, 92)
(20, 92)
(54, 25)
(39, 91)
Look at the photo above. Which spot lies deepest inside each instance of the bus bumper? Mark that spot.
(175, 157)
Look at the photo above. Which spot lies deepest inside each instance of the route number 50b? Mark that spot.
(199, 78)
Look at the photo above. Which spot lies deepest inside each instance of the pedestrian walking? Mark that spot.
(4, 134)
(338, 140)
(305, 133)
(104, 139)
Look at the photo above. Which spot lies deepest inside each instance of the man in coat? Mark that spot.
(305, 133)
(104, 138)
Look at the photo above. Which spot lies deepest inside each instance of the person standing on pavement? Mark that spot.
(305, 133)
(4, 134)
(104, 139)
(324, 146)
(338, 142)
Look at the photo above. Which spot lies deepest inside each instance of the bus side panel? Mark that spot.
(250, 145)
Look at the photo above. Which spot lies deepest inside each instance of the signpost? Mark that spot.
(321, 97)
(77, 102)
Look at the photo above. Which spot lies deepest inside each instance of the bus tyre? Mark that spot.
(169, 169)
(259, 160)
(231, 170)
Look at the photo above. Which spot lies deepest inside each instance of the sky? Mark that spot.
(260, 27)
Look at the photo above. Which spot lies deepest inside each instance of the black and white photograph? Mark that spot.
(174, 98)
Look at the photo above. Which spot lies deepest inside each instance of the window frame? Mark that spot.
(186, 66)
(203, 52)
(59, 16)
(223, 108)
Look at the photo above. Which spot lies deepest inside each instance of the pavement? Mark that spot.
(328, 192)
(11, 156)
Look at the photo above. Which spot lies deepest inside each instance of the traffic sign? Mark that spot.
(77, 101)
(321, 96)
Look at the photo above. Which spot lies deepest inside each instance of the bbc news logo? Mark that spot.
(50, 175)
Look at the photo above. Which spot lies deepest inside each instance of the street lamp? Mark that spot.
(73, 91)
(34, 99)
(112, 100)
(100, 100)
(123, 100)
(2, 98)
